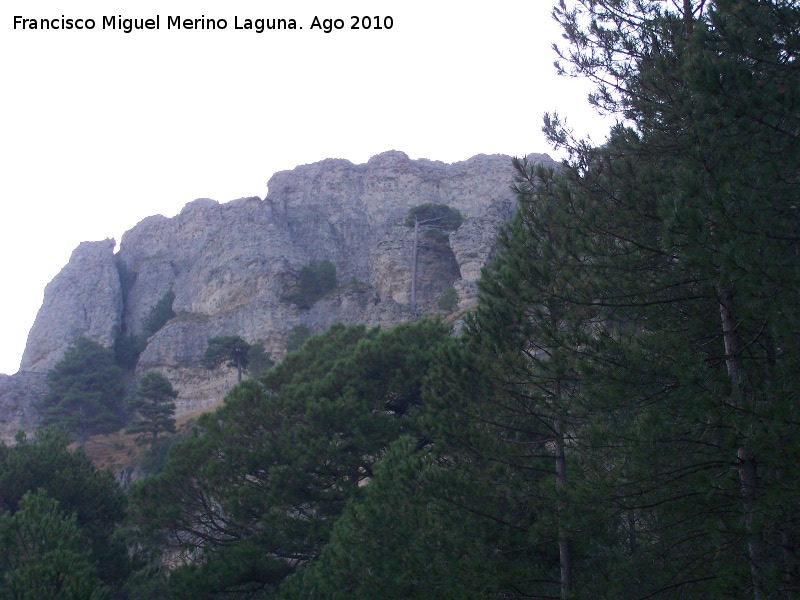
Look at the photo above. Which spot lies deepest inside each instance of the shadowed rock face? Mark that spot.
(231, 265)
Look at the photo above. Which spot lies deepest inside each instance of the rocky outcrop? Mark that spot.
(232, 266)
(19, 395)
(84, 299)
(475, 239)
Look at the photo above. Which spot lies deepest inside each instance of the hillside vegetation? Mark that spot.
(617, 418)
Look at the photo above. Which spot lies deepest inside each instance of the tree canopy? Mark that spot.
(152, 407)
(313, 282)
(231, 350)
(86, 391)
(42, 555)
(623, 396)
(258, 360)
(254, 494)
(439, 216)
(635, 328)
(448, 300)
(67, 478)
(618, 416)
(297, 336)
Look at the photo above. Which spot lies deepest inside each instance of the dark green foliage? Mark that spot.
(438, 216)
(297, 337)
(308, 287)
(258, 360)
(126, 277)
(435, 221)
(42, 556)
(435, 238)
(620, 378)
(238, 571)
(159, 314)
(448, 300)
(127, 349)
(313, 282)
(231, 350)
(69, 478)
(255, 493)
(402, 536)
(86, 391)
(152, 408)
(494, 417)
(618, 419)
(326, 276)
(695, 268)
(155, 456)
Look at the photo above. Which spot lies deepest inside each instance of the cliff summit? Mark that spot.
(233, 267)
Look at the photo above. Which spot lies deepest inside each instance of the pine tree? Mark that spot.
(313, 282)
(633, 314)
(325, 273)
(231, 350)
(297, 337)
(153, 408)
(41, 554)
(86, 391)
(516, 391)
(94, 497)
(401, 536)
(258, 360)
(430, 217)
(706, 164)
(253, 495)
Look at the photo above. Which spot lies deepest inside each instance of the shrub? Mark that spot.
(448, 300)
(313, 282)
(127, 349)
(326, 277)
(159, 314)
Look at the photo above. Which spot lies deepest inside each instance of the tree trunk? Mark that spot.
(749, 483)
(563, 538)
(561, 483)
(733, 345)
(632, 545)
(746, 458)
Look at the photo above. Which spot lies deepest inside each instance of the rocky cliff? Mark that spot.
(232, 266)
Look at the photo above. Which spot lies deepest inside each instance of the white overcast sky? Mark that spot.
(101, 128)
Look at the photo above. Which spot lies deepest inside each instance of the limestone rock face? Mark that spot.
(233, 266)
(474, 241)
(19, 394)
(84, 299)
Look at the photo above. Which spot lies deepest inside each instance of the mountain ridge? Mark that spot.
(233, 265)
